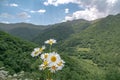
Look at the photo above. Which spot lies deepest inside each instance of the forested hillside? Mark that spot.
(62, 31)
(97, 42)
(15, 57)
(91, 50)
(23, 30)
(14, 53)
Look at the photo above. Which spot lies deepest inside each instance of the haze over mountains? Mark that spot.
(31, 32)
(91, 49)
(22, 30)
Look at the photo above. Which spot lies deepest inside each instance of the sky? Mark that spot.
(45, 12)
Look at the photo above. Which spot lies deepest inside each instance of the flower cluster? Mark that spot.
(51, 60)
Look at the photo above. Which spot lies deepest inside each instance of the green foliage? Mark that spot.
(61, 31)
(103, 40)
(101, 37)
(14, 53)
(91, 50)
(113, 73)
(23, 30)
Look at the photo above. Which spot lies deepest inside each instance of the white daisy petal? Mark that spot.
(50, 41)
(54, 41)
(44, 56)
(47, 41)
(53, 58)
(60, 65)
(41, 67)
(43, 47)
(37, 51)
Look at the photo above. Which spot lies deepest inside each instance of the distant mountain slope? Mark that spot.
(62, 31)
(99, 42)
(15, 57)
(35, 32)
(91, 50)
(22, 30)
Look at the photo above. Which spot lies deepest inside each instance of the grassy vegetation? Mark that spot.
(23, 30)
(61, 31)
(91, 50)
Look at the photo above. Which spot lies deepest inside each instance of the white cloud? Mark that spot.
(58, 2)
(13, 5)
(39, 11)
(93, 9)
(111, 1)
(66, 10)
(32, 11)
(6, 15)
(23, 15)
(88, 14)
(46, 3)
(69, 18)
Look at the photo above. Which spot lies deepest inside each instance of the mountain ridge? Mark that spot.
(91, 50)
(22, 30)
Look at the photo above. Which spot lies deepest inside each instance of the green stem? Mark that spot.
(53, 76)
(49, 75)
(50, 48)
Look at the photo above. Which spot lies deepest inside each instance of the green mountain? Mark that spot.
(22, 30)
(99, 43)
(15, 57)
(62, 31)
(91, 50)
(101, 37)
(96, 43)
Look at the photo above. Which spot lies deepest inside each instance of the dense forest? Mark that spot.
(91, 50)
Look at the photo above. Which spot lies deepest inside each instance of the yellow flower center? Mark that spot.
(53, 67)
(45, 63)
(50, 42)
(53, 58)
(36, 52)
(41, 49)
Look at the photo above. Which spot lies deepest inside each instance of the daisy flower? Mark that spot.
(53, 68)
(37, 51)
(53, 58)
(60, 65)
(50, 41)
(42, 67)
(44, 56)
